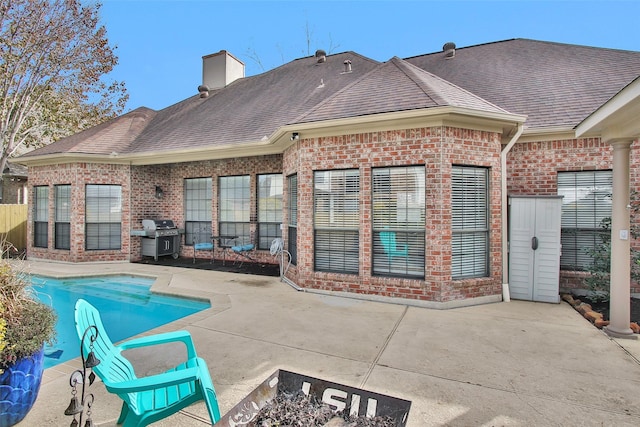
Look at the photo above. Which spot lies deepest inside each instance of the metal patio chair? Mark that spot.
(202, 241)
(243, 250)
(152, 398)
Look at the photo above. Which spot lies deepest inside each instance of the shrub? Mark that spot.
(599, 270)
(25, 323)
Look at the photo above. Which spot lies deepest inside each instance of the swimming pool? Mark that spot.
(126, 304)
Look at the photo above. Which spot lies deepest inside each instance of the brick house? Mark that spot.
(387, 179)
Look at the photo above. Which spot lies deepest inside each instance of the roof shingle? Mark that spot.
(553, 84)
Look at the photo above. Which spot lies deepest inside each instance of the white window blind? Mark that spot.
(269, 208)
(197, 210)
(63, 217)
(292, 238)
(586, 203)
(469, 222)
(399, 221)
(336, 220)
(103, 216)
(235, 199)
(40, 216)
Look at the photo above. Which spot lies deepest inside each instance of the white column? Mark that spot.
(620, 311)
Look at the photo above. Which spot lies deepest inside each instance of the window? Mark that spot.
(399, 221)
(292, 238)
(469, 222)
(40, 216)
(62, 225)
(197, 211)
(103, 208)
(586, 202)
(336, 221)
(235, 199)
(269, 209)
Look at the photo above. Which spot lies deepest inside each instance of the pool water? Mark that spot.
(126, 305)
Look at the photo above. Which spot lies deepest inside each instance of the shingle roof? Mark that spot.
(553, 84)
(254, 107)
(115, 135)
(247, 110)
(395, 86)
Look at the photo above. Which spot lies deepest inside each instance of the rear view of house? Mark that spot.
(384, 179)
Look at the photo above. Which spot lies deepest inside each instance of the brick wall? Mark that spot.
(78, 175)
(138, 200)
(171, 179)
(437, 148)
(533, 170)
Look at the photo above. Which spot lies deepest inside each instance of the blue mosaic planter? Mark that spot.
(19, 386)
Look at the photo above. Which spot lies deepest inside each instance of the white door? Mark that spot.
(534, 248)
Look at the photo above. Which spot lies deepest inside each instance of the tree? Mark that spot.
(54, 56)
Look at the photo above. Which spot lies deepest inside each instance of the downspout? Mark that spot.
(505, 211)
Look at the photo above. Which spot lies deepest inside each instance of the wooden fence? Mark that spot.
(13, 226)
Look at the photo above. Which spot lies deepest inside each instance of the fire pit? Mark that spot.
(338, 397)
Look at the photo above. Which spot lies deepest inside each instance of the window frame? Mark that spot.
(292, 210)
(336, 213)
(234, 207)
(41, 216)
(269, 208)
(62, 221)
(582, 230)
(198, 217)
(398, 234)
(470, 222)
(98, 221)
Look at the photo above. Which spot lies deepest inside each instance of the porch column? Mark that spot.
(620, 311)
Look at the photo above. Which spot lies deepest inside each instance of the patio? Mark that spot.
(513, 364)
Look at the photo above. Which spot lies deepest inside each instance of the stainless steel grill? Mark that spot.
(161, 238)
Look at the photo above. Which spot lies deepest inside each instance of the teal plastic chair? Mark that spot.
(388, 239)
(148, 399)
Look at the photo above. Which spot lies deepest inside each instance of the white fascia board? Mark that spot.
(280, 140)
(620, 115)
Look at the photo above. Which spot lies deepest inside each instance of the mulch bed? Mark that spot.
(205, 264)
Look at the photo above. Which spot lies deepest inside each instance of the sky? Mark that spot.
(160, 43)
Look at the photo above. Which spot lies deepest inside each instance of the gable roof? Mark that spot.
(115, 135)
(553, 84)
(395, 86)
(252, 108)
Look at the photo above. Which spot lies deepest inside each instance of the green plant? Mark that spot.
(598, 281)
(25, 323)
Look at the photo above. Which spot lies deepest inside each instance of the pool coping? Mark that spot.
(162, 285)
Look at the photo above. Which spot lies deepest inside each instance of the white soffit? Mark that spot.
(617, 118)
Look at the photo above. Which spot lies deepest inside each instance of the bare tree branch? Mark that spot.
(54, 56)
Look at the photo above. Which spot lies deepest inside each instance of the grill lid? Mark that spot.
(157, 224)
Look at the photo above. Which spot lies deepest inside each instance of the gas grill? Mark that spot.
(161, 237)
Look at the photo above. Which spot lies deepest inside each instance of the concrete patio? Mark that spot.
(503, 364)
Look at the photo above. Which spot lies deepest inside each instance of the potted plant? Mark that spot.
(26, 325)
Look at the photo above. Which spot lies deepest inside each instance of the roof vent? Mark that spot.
(347, 66)
(321, 56)
(204, 91)
(449, 50)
